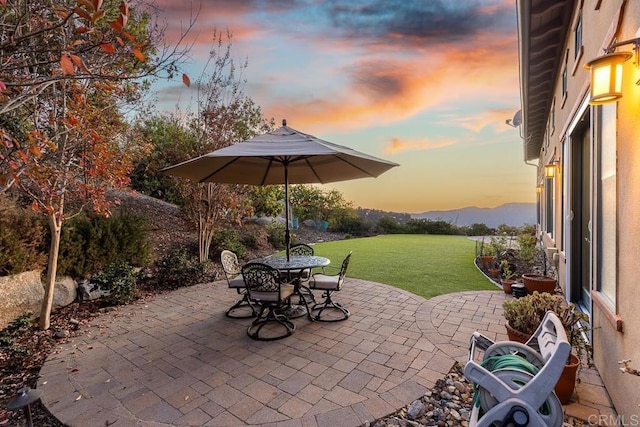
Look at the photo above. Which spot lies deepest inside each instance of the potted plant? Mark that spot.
(486, 255)
(507, 276)
(532, 260)
(523, 315)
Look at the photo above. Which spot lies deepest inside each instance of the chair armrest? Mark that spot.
(330, 270)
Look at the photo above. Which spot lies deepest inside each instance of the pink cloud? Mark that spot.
(396, 145)
(494, 118)
(388, 79)
(387, 90)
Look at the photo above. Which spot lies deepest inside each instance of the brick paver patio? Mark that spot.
(177, 360)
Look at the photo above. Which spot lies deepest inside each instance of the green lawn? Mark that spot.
(422, 264)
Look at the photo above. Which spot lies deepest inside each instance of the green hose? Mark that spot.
(505, 361)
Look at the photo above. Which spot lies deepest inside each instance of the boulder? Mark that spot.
(20, 293)
(88, 291)
(65, 292)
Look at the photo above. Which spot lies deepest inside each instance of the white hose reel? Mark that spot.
(515, 382)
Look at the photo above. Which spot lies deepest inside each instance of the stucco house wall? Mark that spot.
(615, 323)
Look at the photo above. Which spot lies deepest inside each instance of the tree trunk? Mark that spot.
(206, 219)
(55, 226)
(203, 253)
(205, 237)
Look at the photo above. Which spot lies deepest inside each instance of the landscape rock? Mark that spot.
(310, 223)
(88, 291)
(20, 293)
(65, 292)
(62, 333)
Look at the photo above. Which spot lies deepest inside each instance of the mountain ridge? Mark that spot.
(514, 214)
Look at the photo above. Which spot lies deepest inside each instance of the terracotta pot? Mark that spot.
(539, 283)
(506, 285)
(516, 335)
(485, 260)
(567, 381)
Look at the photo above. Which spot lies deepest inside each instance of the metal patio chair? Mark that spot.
(302, 249)
(232, 272)
(329, 281)
(266, 289)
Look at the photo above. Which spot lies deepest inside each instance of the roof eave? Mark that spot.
(542, 31)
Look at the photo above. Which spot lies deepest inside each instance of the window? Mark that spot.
(549, 193)
(606, 275)
(565, 81)
(552, 116)
(577, 37)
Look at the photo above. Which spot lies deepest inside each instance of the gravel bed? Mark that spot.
(447, 404)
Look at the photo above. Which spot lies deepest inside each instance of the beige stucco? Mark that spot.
(602, 21)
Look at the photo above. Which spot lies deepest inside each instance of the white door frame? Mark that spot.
(568, 199)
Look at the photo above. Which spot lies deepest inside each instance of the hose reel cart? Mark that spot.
(514, 382)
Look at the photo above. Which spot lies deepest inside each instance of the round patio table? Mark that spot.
(295, 262)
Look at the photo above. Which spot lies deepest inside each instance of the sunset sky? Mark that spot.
(427, 84)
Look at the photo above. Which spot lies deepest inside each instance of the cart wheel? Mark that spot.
(550, 411)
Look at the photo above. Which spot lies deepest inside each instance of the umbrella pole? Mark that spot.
(287, 235)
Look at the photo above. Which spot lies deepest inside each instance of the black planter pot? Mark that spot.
(518, 290)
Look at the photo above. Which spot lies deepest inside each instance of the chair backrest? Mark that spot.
(260, 277)
(230, 264)
(343, 269)
(301, 249)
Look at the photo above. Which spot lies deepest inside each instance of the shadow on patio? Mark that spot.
(177, 360)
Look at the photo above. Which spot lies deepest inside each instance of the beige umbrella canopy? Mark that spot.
(283, 156)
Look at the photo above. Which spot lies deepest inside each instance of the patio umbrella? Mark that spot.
(283, 156)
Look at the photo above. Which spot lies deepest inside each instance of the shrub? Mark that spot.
(527, 244)
(8, 345)
(89, 242)
(22, 234)
(177, 269)
(389, 225)
(355, 226)
(119, 280)
(276, 233)
(229, 239)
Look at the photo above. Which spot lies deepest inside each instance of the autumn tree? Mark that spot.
(66, 67)
(224, 115)
(47, 42)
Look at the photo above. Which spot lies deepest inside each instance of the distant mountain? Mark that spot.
(515, 214)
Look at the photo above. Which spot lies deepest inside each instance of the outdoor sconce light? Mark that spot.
(25, 397)
(550, 169)
(539, 189)
(606, 72)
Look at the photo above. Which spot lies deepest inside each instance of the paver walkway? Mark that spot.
(177, 360)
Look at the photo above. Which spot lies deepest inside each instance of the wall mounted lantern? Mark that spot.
(550, 169)
(539, 189)
(606, 72)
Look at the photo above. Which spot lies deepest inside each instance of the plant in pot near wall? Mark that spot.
(523, 315)
(540, 281)
(508, 276)
(487, 255)
(534, 261)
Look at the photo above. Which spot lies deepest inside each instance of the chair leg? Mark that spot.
(328, 304)
(244, 302)
(271, 317)
(307, 294)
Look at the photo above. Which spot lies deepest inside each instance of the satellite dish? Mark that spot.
(517, 118)
(516, 121)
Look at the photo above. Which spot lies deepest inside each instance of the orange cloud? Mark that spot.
(362, 81)
(388, 90)
(396, 145)
(494, 118)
